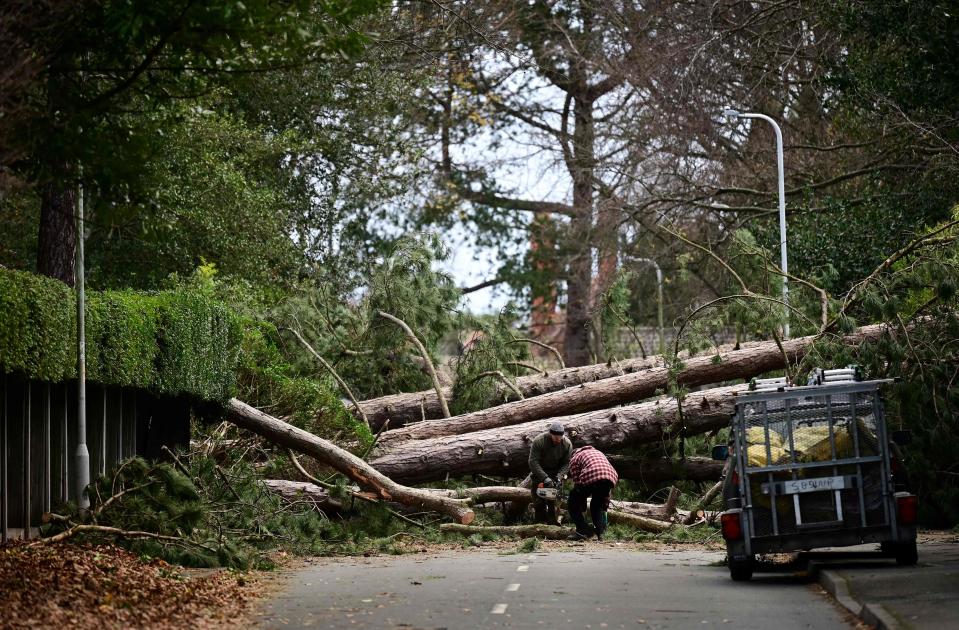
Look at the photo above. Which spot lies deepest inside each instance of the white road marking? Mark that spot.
(498, 609)
(512, 587)
(523, 567)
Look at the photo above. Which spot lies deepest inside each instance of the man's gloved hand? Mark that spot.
(548, 483)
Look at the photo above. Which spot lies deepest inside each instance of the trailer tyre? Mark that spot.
(906, 553)
(741, 570)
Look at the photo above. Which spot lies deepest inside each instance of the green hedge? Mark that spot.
(171, 342)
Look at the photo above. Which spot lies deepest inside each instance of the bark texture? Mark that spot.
(609, 392)
(549, 532)
(505, 450)
(283, 434)
(639, 522)
(57, 241)
(304, 491)
(650, 471)
(402, 409)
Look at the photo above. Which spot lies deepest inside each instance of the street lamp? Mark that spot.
(659, 292)
(732, 114)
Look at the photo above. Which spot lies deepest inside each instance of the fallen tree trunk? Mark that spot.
(487, 494)
(639, 522)
(293, 491)
(289, 436)
(506, 450)
(549, 532)
(650, 471)
(608, 392)
(402, 409)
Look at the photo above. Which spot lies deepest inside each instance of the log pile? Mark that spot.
(610, 406)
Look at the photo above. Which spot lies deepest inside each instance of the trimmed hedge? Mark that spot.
(170, 342)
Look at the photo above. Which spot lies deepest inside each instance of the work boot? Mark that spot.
(582, 533)
(599, 533)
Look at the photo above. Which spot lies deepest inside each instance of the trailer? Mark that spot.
(813, 466)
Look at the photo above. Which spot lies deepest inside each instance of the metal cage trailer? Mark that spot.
(813, 467)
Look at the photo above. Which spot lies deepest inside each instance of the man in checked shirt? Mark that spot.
(593, 476)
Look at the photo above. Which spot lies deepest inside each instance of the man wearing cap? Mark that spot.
(593, 476)
(548, 463)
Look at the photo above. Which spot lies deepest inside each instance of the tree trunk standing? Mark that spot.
(283, 434)
(56, 245)
(506, 450)
(579, 280)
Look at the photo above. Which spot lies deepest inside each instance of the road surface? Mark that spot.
(590, 587)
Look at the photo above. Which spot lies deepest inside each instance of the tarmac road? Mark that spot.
(593, 586)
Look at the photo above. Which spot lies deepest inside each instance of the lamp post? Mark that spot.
(733, 114)
(659, 296)
(82, 454)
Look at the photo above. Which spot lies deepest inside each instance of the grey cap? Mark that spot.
(557, 428)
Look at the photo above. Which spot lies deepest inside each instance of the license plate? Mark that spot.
(798, 486)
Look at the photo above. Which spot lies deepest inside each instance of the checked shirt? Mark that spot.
(589, 466)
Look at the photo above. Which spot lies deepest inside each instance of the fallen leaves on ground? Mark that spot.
(103, 586)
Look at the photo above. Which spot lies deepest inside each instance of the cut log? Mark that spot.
(639, 522)
(549, 532)
(653, 471)
(655, 511)
(506, 450)
(289, 436)
(488, 494)
(608, 392)
(704, 502)
(293, 491)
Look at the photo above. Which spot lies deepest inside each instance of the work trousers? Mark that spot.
(598, 492)
(544, 511)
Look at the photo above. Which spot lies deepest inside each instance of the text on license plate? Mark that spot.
(797, 486)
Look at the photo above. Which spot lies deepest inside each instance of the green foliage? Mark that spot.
(615, 313)
(406, 286)
(372, 354)
(915, 297)
(37, 317)
(221, 515)
(841, 243)
(213, 191)
(172, 342)
(898, 53)
(266, 379)
(493, 347)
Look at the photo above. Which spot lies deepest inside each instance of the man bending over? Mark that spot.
(593, 476)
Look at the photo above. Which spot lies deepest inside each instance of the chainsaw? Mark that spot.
(551, 493)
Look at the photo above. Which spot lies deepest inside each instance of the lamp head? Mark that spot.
(731, 114)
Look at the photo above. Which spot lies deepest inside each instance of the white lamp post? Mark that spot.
(733, 114)
(659, 296)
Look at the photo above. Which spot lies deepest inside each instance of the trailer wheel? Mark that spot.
(906, 553)
(741, 570)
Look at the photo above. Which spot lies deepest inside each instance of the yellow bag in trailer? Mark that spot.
(756, 448)
(812, 443)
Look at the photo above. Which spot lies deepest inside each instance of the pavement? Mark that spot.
(590, 585)
(891, 597)
(608, 585)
